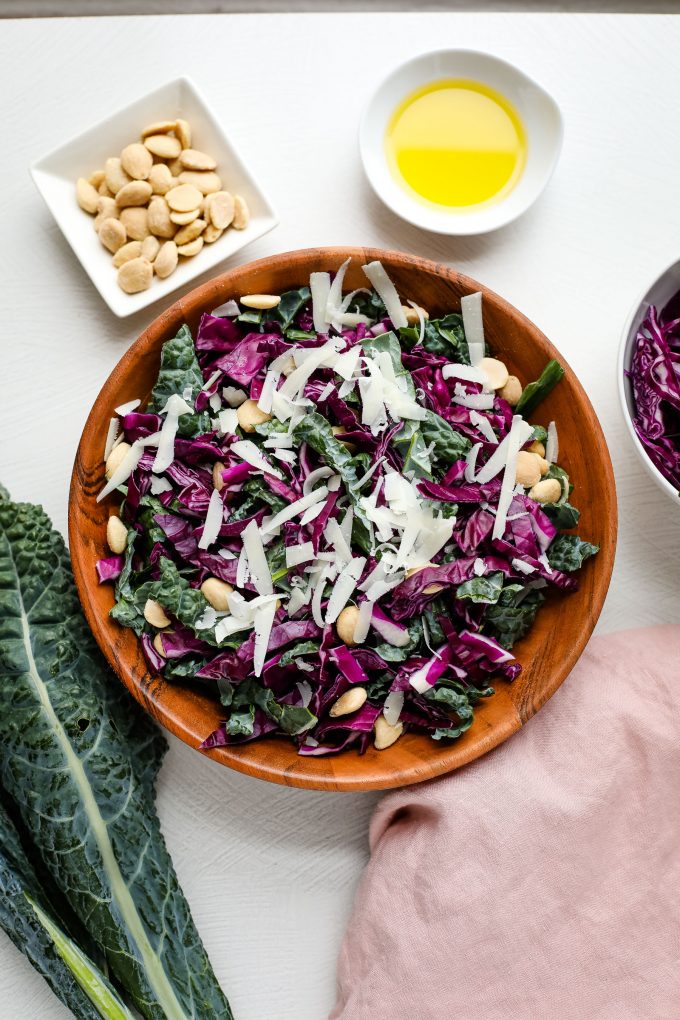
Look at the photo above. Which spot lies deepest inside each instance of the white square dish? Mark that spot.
(56, 173)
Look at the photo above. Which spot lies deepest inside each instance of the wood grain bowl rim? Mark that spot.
(419, 758)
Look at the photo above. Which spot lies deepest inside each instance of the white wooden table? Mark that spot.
(270, 872)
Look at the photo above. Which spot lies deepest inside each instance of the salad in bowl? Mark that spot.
(335, 514)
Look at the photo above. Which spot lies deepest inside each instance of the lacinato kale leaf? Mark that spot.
(79, 760)
(513, 615)
(563, 515)
(485, 590)
(292, 302)
(567, 552)
(317, 433)
(449, 445)
(18, 917)
(180, 373)
(538, 390)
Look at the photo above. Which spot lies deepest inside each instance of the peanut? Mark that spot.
(150, 247)
(160, 179)
(260, 301)
(164, 146)
(166, 261)
(158, 213)
(135, 275)
(216, 592)
(134, 193)
(221, 209)
(86, 196)
(115, 458)
(135, 221)
(241, 213)
(190, 232)
(495, 372)
(194, 159)
(207, 182)
(131, 250)
(528, 470)
(512, 391)
(184, 198)
(155, 614)
(191, 248)
(350, 701)
(346, 624)
(136, 161)
(547, 491)
(249, 415)
(112, 234)
(218, 481)
(116, 535)
(386, 735)
(116, 177)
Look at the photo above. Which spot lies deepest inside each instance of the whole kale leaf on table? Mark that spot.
(78, 762)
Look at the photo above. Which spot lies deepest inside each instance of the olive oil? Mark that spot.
(456, 144)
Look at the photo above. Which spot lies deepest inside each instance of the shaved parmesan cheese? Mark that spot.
(373, 411)
(371, 471)
(317, 597)
(477, 401)
(228, 420)
(242, 573)
(265, 400)
(111, 436)
(479, 567)
(213, 521)
(187, 393)
(234, 396)
(347, 388)
(215, 402)
(348, 298)
(349, 319)
(311, 514)
(516, 437)
(278, 441)
(523, 568)
(314, 358)
(346, 526)
(484, 426)
(124, 409)
(213, 379)
(471, 462)
(227, 310)
(466, 372)
(315, 476)
(344, 587)
(229, 625)
(394, 702)
(262, 622)
(257, 561)
(334, 299)
(286, 456)
(335, 538)
(471, 308)
(386, 290)
(326, 392)
(226, 554)
(320, 285)
(207, 619)
(270, 525)
(346, 363)
(248, 452)
(173, 410)
(543, 560)
(159, 485)
(551, 444)
(298, 599)
(296, 554)
(124, 469)
(499, 457)
(363, 623)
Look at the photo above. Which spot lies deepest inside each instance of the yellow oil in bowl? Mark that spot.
(456, 144)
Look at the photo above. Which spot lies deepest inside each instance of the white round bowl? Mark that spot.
(658, 293)
(538, 111)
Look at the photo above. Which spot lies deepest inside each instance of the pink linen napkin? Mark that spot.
(541, 882)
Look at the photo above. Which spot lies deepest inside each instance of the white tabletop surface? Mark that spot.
(270, 872)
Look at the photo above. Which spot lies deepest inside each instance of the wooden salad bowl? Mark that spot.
(563, 624)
